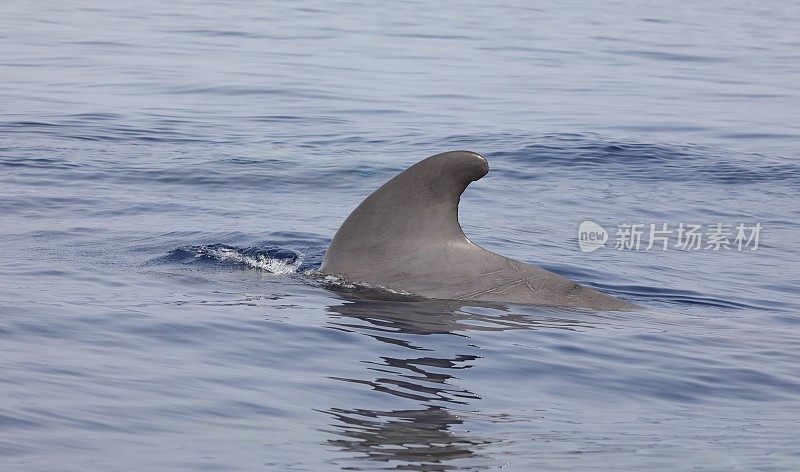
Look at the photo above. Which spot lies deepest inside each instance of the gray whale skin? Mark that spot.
(406, 237)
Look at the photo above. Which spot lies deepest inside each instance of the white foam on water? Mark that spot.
(271, 265)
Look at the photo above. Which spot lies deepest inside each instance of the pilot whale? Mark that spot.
(406, 237)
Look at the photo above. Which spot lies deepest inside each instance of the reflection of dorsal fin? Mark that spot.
(406, 236)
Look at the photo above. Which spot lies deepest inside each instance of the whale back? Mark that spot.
(406, 236)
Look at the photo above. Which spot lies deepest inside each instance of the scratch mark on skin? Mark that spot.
(500, 289)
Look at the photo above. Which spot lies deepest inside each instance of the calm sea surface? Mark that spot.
(172, 172)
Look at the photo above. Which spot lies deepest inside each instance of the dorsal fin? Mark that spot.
(414, 210)
(405, 236)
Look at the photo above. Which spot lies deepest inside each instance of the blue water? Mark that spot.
(172, 172)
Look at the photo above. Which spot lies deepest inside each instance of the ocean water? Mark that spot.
(172, 172)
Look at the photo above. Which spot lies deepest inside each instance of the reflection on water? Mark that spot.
(417, 383)
(374, 317)
(420, 438)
